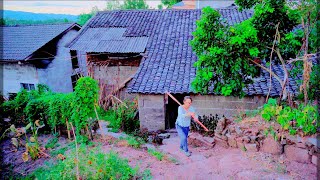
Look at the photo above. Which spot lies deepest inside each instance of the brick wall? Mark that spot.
(151, 112)
(152, 107)
(228, 106)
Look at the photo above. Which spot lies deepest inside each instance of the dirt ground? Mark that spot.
(204, 163)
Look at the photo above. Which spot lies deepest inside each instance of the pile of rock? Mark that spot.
(252, 137)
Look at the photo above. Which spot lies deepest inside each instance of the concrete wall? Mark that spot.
(228, 106)
(14, 74)
(57, 75)
(151, 112)
(152, 107)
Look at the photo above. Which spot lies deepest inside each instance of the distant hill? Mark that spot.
(20, 15)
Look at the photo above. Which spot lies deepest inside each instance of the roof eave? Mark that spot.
(27, 58)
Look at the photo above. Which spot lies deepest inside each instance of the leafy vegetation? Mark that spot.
(85, 100)
(134, 4)
(135, 142)
(123, 116)
(293, 119)
(55, 108)
(52, 142)
(93, 164)
(226, 54)
(32, 145)
(208, 121)
(222, 52)
(169, 3)
(155, 153)
(114, 5)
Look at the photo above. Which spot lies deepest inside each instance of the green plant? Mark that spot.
(155, 153)
(223, 52)
(85, 100)
(93, 164)
(146, 175)
(52, 142)
(292, 119)
(243, 148)
(61, 150)
(270, 110)
(281, 168)
(122, 116)
(133, 141)
(174, 160)
(32, 145)
(209, 121)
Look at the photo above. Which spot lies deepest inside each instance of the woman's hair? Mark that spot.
(187, 97)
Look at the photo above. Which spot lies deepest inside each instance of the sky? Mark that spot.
(75, 7)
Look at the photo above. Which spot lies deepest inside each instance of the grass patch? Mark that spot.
(155, 153)
(133, 141)
(93, 164)
(62, 150)
(52, 142)
(173, 160)
(281, 169)
(146, 175)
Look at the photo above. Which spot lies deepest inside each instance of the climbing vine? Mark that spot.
(85, 100)
(55, 108)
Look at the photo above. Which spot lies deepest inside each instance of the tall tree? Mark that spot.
(113, 5)
(169, 3)
(134, 4)
(84, 17)
(224, 52)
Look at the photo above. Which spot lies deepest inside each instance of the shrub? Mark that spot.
(84, 102)
(209, 121)
(302, 118)
(122, 117)
(135, 142)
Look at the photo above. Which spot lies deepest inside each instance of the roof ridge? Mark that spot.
(146, 10)
(24, 25)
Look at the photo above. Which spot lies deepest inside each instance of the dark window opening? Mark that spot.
(27, 86)
(74, 80)
(12, 96)
(74, 59)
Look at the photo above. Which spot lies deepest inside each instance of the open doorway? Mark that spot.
(172, 110)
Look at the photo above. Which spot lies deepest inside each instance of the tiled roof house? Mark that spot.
(166, 61)
(33, 54)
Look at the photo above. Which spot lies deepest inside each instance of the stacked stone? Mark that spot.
(221, 130)
(252, 138)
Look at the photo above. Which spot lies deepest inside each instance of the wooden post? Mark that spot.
(89, 133)
(68, 129)
(95, 110)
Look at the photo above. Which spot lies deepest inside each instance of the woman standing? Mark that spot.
(185, 112)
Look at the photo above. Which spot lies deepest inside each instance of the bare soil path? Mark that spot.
(204, 163)
(214, 163)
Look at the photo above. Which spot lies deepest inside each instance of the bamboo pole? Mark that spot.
(68, 129)
(102, 133)
(77, 162)
(194, 118)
